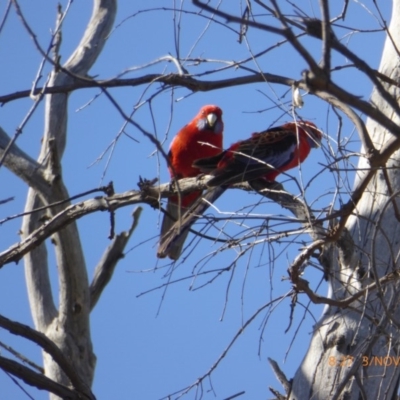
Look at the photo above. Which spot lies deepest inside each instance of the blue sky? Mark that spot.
(151, 343)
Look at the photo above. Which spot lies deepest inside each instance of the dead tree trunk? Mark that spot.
(354, 352)
(68, 325)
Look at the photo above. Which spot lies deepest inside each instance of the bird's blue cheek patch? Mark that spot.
(218, 127)
(201, 124)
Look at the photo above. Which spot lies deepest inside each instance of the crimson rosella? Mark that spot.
(264, 155)
(200, 138)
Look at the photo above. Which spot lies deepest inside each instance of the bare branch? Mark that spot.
(48, 346)
(105, 268)
(4, 201)
(326, 38)
(68, 215)
(38, 380)
(149, 195)
(23, 166)
(169, 80)
(22, 357)
(94, 38)
(313, 27)
(239, 20)
(6, 13)
(287, 386)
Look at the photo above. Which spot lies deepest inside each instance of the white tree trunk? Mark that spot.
(68, 326)
(348, 346)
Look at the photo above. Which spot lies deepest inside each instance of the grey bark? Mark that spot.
(68, 326)
(346, 357)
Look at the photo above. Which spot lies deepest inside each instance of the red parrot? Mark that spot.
(264, 155)
(189, 145)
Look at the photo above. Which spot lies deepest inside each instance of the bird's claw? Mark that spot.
(144, 183)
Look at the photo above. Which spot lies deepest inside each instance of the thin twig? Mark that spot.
(22, 357)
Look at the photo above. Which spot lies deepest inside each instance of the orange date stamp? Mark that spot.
(366, 361)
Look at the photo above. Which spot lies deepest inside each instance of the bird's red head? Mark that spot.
(210, 118)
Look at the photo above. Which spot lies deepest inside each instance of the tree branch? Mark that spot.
(25, 167)
(105, 268)
(48, 346)
(169, 80)
(148, 195)
(38, 380)
(287, 386)
(65, 217)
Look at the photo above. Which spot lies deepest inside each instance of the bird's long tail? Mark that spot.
(175, 233)
(174, 211)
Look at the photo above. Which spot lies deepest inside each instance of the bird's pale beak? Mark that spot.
(211, 119)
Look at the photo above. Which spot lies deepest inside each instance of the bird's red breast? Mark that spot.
(200, 138)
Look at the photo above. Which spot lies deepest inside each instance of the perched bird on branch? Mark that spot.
(202, 137)
(262, 156)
